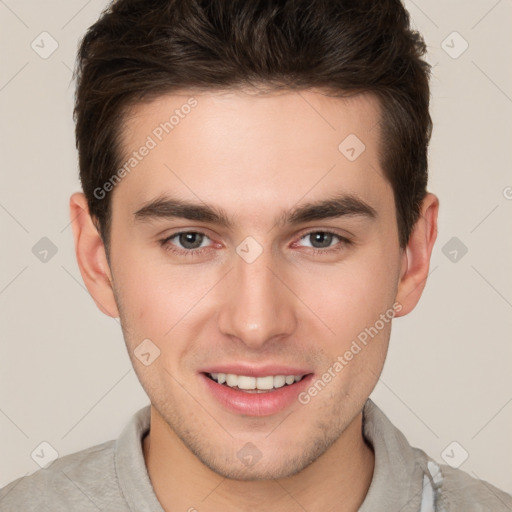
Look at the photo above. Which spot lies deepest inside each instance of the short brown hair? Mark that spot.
(140, 49)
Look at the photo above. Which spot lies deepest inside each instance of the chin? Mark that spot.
(280, 466)
(256, 473)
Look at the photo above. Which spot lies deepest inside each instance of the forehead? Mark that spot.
(251, 150)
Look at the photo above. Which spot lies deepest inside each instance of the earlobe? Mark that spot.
(416, 256)
(91, 256)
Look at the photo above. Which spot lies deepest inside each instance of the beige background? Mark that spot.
(65, 376)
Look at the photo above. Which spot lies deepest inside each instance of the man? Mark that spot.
(255, 212)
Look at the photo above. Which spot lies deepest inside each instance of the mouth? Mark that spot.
(263, 393)
(250, 384)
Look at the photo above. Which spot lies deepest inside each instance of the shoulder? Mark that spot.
(85, 480)
(458, 491)
(440, 487)
(461, 491)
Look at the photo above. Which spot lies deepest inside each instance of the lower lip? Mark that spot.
(256, 404)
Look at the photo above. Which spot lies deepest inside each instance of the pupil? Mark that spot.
(187, 240)
(324, 239)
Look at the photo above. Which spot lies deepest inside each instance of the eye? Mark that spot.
(186, 242)
(322, 241)
(194, 243)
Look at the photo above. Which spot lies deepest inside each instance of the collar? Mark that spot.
(402, 479)
(132, 474)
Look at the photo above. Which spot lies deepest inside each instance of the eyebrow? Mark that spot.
(341, 205)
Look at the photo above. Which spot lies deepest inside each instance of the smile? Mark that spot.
(255, 395)
(254, 384)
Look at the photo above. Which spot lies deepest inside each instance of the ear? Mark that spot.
(91, 256)
(416, 256)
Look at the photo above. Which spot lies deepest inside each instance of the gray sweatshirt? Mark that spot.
(112, 477)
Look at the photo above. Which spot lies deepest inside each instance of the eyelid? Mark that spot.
(345, 234)
(201, 231)
(169, 246)
(166, 239)
(343, 240)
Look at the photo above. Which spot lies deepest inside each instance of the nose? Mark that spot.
(258, 307)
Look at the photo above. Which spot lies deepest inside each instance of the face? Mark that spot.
(253, 239)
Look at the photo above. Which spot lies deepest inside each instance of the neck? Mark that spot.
(339, 479)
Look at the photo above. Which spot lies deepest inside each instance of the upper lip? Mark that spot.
(255, 371)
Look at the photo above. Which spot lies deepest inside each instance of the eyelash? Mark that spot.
(199, 251)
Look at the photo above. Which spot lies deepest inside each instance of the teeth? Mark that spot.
(279, 381)
(265, 382)
(246, 382)
(261, 383)
(231, 380)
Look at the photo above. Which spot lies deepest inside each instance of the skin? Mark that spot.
(255, 156)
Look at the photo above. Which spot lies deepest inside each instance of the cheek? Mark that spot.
(146, 295)
(352, 295)
(160, 300)
(356, 303)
